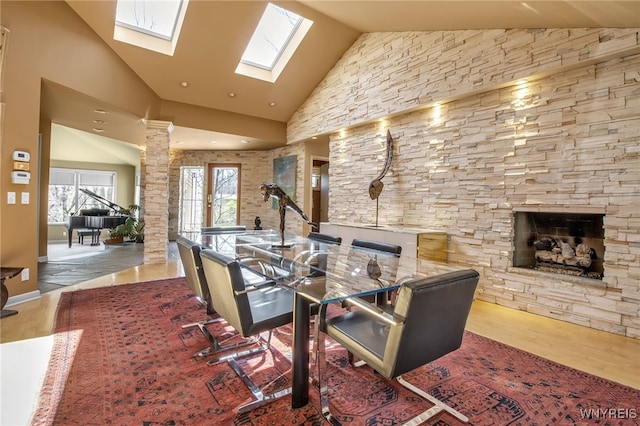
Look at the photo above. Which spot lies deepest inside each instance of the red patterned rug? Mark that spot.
(121, 357)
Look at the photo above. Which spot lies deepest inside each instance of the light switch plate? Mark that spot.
(11, 197)
(25, 198)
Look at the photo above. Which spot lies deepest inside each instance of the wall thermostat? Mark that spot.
(20, 177)
(20, 156)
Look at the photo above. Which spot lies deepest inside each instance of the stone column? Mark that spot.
(154, 187)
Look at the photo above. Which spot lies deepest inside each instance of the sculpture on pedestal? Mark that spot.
(376, 185)
(284, 202)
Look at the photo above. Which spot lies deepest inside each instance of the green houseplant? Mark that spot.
(132, 229)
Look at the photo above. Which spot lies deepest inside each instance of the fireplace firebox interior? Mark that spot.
(564, 243)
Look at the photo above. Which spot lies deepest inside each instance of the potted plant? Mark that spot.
(132, 228)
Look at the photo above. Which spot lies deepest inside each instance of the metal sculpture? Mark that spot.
(284, 202)
(376, 185)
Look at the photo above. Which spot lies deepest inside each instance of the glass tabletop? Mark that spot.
(322, 272)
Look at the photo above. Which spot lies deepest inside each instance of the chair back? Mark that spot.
(325, 238)
(224, 278)
(248, 311)
(190, 256)
(435, 311)
(377, 246)
(222, 229)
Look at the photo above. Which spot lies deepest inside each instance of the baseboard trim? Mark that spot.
(24, 297)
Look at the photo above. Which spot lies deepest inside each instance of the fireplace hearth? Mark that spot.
(562, 243)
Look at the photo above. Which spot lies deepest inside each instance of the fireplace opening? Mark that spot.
(563, 243)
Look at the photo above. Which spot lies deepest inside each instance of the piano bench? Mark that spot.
(94, 233)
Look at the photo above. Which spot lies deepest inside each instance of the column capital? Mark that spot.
(159, 124)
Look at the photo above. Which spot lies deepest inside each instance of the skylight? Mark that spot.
(275, 39)
(150, 24)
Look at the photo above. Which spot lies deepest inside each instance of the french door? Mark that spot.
(223, 197)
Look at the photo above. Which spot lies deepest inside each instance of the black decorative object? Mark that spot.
(376, 185)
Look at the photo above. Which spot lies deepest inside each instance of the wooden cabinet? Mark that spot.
(423, 243)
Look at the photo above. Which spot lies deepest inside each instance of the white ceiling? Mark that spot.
(215, 33)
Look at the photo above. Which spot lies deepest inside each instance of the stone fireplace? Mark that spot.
(560, 242)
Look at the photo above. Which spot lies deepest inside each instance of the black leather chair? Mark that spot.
(190, 256)
(377, 247)
(223, 229)
(325, 238)
(427, 323)
(251, 305)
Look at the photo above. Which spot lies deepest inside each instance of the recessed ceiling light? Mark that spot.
(100, 111)
(232, 95)
(184, 83)
(272, 104)
(244, 141)
(98, 130)
(213, 142)
(98, 122)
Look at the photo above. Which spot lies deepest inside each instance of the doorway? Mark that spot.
(320, 191)
(223, 198)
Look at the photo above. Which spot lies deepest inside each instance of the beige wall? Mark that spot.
(48, 41)
(565, 141)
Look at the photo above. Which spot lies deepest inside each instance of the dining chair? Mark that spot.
(252, 305)
(427, 322)
(189, 252)
(372, 266)
(326, 238)
(223, 229)
(377, 246)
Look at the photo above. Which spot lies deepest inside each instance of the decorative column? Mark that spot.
(154, 188)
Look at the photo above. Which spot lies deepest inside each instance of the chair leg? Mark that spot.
(438, 407)
(323, 381)
(215, 346)
(260, 398)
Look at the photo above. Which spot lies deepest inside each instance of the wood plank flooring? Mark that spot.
(603, 354)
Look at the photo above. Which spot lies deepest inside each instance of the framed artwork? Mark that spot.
(284, 175)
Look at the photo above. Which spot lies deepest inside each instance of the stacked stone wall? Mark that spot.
(566, 140)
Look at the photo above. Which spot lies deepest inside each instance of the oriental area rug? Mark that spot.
(121, 357)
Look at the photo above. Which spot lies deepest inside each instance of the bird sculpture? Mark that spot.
(284, 202)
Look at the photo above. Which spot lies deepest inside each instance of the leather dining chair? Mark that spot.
(252, 305)
(189, 252)
(427, 322)
(222, 229)
(376, 247)
(326, 238)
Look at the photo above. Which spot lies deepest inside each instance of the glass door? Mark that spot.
(223, 198)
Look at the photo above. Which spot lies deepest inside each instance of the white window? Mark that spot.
(191, 199)
(275, 40)
(150, 24)
(65, 197)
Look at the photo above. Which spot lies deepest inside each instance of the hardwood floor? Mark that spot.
(603, 354)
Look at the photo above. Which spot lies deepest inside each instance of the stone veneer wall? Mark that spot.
(568, 140)
(255, 167)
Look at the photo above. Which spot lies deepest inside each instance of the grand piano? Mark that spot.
(95, 219)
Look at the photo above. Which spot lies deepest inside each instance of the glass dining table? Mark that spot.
(319, 273)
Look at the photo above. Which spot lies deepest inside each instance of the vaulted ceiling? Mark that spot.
(215, 34)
